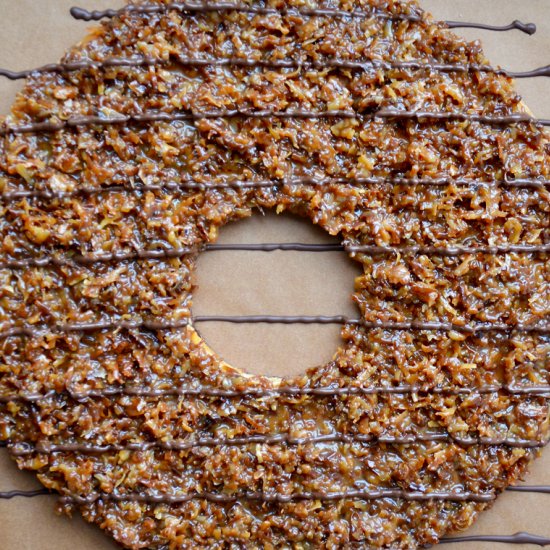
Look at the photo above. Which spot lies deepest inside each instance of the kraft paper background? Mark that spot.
(36, 32)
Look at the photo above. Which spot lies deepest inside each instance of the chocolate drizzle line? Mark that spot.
(267, 497)
(45, 447)
(156, 116)
(527, 28)
(162, 254)
(371, 494)
(362, 65)
(99, 258)
(271, 247)
(8, 495)
(87, 15)
(328, 391)
(457, 250)
(37, 331)
(148, 9)
(519, 538)
(544, 489)
(536, 183)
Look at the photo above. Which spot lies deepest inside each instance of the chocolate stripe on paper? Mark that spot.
(362, 65)
(408, 325)
(527, 28)
(8, 495)
(544, 489)
(155, 116)
(536, 183)
(272, 247)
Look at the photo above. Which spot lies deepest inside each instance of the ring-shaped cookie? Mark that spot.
(382, 128)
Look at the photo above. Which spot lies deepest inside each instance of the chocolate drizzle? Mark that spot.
(374, 250)
(156, 116)
(544, 489)
(361, 65)
(527, 28)
(457, 250)
(8, 495)
(518, 538)
(271, 497)
(535, 183)
(271, 247)
(189, 7)
(328, 391)
(32, 331)
(372, 494)
(46, 447)
(98, 258)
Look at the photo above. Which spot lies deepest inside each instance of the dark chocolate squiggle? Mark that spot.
(362, 65)
(527, 28)
(37, 331)
(98, 258)
(190, 7)
(372, 494)
(518, 538)
(328, 391)
(457, 250)
(543, 489)
(536, 183)
(156, 116)
(8, 495)
(87, 15)
(46, 447)
(162, 254)
(272, 247)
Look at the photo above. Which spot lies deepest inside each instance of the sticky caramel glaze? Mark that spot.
(396, 289)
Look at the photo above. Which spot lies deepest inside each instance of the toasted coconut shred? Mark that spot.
(115, 175)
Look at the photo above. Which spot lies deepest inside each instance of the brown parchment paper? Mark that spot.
(36, 32)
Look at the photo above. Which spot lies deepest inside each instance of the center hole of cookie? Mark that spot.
(280, 283)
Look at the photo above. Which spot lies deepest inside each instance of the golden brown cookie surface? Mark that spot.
(466, 288)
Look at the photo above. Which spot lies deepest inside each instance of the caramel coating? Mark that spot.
(510, 288)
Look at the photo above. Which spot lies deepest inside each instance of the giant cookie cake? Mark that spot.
(120, 165)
